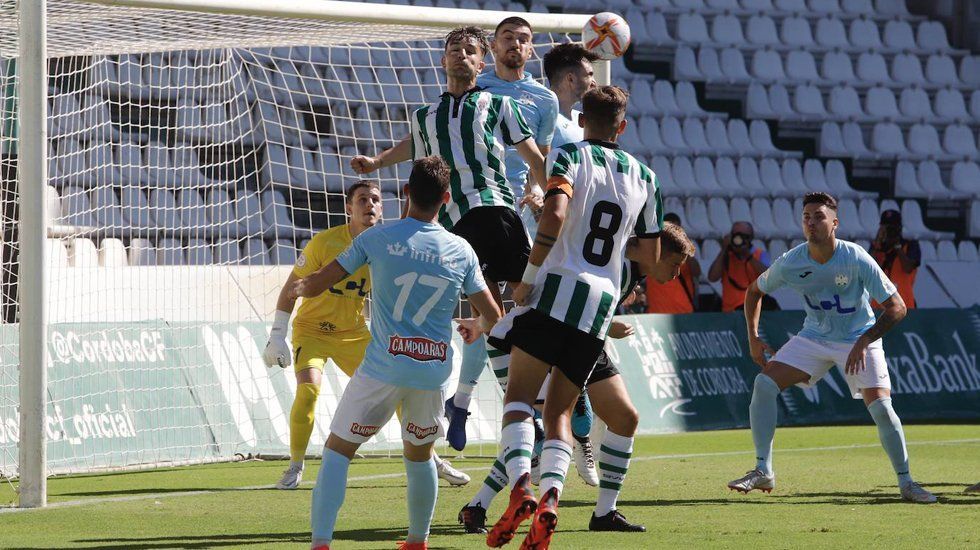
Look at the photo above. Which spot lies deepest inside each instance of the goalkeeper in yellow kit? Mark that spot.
(329, 326)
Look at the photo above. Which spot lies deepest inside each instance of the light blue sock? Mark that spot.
(582, 417)
(892, 437)
(328, 495)
(762, 418)
(423, 486)
(538, 433)
(473, 362)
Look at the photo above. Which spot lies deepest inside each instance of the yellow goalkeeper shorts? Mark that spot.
(347, 351)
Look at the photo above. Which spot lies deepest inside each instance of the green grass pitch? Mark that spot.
(834, 489)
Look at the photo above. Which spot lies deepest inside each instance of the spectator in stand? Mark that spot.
(898, 257)
(738, 264)
(679, 295)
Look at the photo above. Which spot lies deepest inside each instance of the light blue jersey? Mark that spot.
(418, 271)
(538, 105)
(835, 294)
(567, 130)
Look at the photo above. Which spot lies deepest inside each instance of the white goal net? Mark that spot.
(190, 156)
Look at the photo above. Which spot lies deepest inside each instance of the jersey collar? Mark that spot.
(474, 89)
(603, 143)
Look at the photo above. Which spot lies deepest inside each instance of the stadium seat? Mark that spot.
(170, 252)
(914, 104)
(738, 136)
(717, 135)
(726, 29)
(52, 202)
(787, 224)
(863, 34)
(739, 210)
(854, 141)
(923, 142)
(106, 209)
(836, 67)
(792, 6)
(283, 252)
(673, 138)
(814, 176)
(831, 34)
(762, 140)
(757, 102)
(82, 253)
(727, 177)
(958, 142)
(914, 224)
(661, 168)
(112, 253)
(141, 252)
(970, 71)
(762, 219)
(276, 217)
(757, 6)
(941, 70)
(927, 250)
(850, 221)
(198, 252)
(692, 28)
(801, 66)
(930, 180)
(792, 177)
(76, 207)
(650, 136)
(656, 29)
(824, 6)
(733, 66)
(751, 185)
(907, 181)
(795, 32)
(761, 31)
(808, 102)
(946, 251)
(673, 205)
(663, 98)
(697, 217)
(642, 97)
(695, 138)
(780, 103)
(718, 216)
(949, 105)
(899, 35)
(222, 218)
(135, 210)
(767, 66)
(975, 104)
(965, 177)
(706, 179)
(686, 65)
(891, 7)
(907, 69)
(682, 175)
(931, 36)
(255, 252)
(832, 141)
(844, 104)
(709, 66)
(193, 214)
(871, 69)
(159, 164)
(967, 252)
(887, 140)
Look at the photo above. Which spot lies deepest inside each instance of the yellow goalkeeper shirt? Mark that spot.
(341, 308)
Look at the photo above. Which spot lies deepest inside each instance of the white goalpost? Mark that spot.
(169, 159)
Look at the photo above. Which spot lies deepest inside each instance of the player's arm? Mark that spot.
(549, 228)
(276, 350)
(401, 152)
(894, 312)
(534, 189)
(318, 282)
(488, 313)
(753, 310)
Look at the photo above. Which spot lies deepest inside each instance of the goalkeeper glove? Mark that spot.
(276, 350)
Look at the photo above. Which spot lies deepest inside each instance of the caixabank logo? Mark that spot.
(417, 347)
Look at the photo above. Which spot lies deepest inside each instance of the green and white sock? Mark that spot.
(614, 461)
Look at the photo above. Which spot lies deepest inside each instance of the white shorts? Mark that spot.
(368, 404)
(816, 357)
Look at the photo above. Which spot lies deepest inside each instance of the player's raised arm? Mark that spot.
(318, 282)
(401, 152)
(549, 228)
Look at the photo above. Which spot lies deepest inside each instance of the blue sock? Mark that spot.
(328, 495)
(538, 433)
(423, 486)
(582, 416)
(473, 362)
(762, 418)
(892, 437)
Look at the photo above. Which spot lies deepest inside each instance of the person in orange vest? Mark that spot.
(679, 295)
(738, 264)
(898, 257)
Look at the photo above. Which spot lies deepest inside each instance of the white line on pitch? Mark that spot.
(71, 503)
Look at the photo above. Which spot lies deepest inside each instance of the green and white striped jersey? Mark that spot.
(470, 133)
(613, 195)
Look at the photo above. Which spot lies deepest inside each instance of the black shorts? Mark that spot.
(604, 369)
(497, 235)
(572, 351)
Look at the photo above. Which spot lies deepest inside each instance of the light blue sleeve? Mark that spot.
(549, 118)
(355, 256)
(473, 279)
(875, 281)
(772, 278)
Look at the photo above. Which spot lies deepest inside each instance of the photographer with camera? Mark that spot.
(737, 265)
(899, 258)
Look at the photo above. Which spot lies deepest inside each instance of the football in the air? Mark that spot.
(607, 35)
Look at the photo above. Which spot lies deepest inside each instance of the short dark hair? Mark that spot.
(673, 218)
(605, 104)
(564, 58)
(819, 197)
(462, 33)
(516, 21)
(428, 182)
(673, 239)
(361, 184)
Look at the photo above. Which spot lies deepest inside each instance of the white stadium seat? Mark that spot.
(941, 70)
(931, 35)
(733, 66)
(967, 252)
(863, 34)
(837, 67)
(887, 140)
(795, 31)
(965, 177)
(761, 31)
(914, 104)
(928, 251)
(907, 69)
(899, 35)
(830, 33)
(854, 140)
(832, 141)
(946, 251)
(112, 253)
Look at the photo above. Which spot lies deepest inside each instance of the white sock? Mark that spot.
(296, 464)
(495, 482)
(464, 393)
(614, 460)
(517, 440)
(555, 458)
(500, 363)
